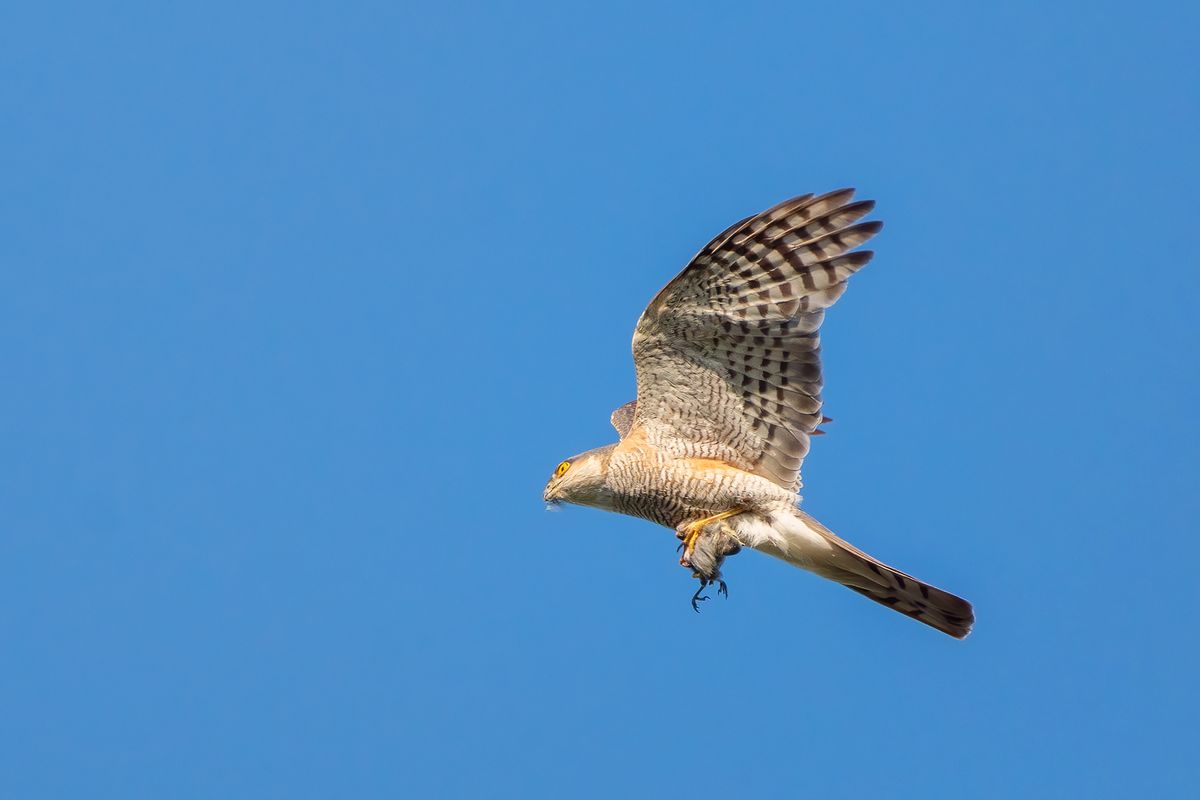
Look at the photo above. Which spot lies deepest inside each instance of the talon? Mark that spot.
(697, 597)
(722, 588)
(688, 545)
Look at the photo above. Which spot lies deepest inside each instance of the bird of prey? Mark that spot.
(728, 396)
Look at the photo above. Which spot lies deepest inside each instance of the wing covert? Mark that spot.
(622, 418)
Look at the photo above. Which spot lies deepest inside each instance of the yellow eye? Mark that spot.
(562, 469)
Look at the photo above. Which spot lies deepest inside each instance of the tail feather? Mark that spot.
(806, 543)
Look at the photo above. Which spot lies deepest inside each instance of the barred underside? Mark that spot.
(728, 353)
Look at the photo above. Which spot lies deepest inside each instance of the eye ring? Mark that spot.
(562, 469)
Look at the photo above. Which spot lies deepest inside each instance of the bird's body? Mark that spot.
(729, 380)
(646, 482)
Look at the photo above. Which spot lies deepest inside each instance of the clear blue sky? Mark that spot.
(300, 305)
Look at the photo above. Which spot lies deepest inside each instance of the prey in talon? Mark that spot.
(727, 357)
(704, 548)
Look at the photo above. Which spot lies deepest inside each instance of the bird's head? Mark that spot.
(582, 479)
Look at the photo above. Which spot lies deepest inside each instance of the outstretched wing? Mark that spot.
(727, 354)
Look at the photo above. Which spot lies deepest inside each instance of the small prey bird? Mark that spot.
(728, 397)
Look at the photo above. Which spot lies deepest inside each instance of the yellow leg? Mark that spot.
(691, 532)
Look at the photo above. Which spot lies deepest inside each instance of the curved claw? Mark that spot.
(697, 598)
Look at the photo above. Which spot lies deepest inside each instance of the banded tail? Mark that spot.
(802, 541)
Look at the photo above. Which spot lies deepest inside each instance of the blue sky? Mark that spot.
(301, 303)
